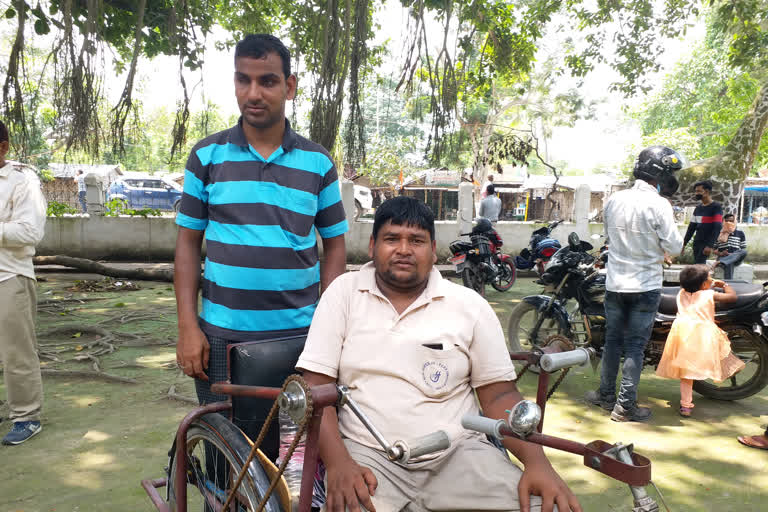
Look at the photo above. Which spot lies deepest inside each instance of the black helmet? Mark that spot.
(482, 225)
(659, 163)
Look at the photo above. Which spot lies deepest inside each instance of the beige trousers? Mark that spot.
(473, 475)
(18, 348)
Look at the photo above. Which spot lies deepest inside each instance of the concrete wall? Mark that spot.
(154, 238)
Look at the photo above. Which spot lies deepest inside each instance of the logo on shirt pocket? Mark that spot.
(435, 374)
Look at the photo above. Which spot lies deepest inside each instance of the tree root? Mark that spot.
(99, 375)
(173, 395)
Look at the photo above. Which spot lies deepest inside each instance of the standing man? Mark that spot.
(490, 206)
(257, 193)
(706, 223)
(80, 180)
(22, 223)
(640, 226)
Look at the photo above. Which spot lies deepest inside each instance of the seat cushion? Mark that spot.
(747, 294)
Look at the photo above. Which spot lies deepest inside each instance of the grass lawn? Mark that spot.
(101, 438)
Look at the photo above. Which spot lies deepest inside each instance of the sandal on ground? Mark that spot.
(759, 442)
(685, 411)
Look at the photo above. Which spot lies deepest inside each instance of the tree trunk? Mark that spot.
(140, 274)
(730, 168)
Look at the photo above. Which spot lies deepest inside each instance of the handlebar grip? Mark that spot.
(430, 443)
(553, 362)
(488, 426)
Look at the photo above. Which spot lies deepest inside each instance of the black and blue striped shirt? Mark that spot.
(260, 218)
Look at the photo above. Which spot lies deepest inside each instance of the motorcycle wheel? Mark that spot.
(506, 278)
(473, 278)
(524, 316)
(753, 350)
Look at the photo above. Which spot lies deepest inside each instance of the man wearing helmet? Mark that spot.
(641, 228)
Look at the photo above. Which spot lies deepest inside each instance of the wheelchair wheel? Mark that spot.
(216, 450)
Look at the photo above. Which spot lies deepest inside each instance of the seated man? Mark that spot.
(414, 348)
(731, 246)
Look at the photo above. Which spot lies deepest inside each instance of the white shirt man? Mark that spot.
(22, 222)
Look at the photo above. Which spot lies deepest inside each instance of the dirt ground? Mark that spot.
(101, 437)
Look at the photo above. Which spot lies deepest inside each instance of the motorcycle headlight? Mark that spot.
(764, 318)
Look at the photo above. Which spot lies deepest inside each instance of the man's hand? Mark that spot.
(540, 479)
(667, 259)
(707, 251)
(349, 486)
(192, 350)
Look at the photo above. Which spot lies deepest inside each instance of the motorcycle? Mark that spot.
(572, 275)
(540, 249)
(481, 261)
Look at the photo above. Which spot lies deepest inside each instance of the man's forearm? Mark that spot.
(334, 260)
(495, 403)
(689, 233)
(332, 449)
(186, 277)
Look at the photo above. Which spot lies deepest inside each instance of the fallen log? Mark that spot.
(90, 266)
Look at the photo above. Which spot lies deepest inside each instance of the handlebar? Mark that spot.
(487, 426)
(398, 451)
(557, 361)
(430, 443)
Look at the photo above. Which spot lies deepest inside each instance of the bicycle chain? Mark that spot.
(566, 344)
(559, 380)
(292, 448)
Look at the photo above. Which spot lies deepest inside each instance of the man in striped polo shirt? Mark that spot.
(257, 193)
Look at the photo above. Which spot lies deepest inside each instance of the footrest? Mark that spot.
(637, 474)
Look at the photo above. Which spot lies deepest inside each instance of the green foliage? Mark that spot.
(683, 140)
(45, 175)
(116, 207)
(56, 209)
(703, 101)
(384, 162)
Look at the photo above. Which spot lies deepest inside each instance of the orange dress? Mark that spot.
(696, 347)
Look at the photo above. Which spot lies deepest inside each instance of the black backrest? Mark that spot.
(261, 363)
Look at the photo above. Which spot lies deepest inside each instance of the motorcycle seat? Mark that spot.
(747, 294)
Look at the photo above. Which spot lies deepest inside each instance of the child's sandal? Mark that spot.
(686, 411)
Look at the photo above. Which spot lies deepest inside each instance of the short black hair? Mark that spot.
(490, 189)
(3, 132)
(257, 46)
(404, 210)
(728, 215)
(705, 184)
(693, 276)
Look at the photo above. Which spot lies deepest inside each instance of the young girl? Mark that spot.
(696, 348)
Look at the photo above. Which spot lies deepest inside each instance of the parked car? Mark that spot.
(150, 192)
(363, 200)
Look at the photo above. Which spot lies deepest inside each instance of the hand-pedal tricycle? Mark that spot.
(213, 466)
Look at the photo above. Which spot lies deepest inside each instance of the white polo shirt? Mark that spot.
(407, 388)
